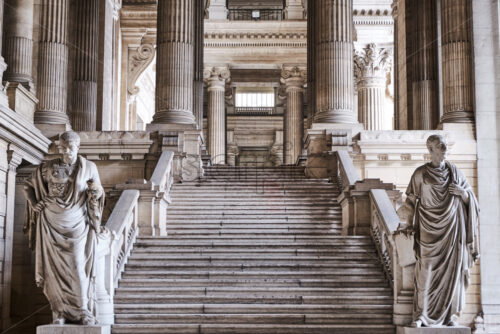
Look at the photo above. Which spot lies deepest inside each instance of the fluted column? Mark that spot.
(456, 39)
(199, 31)
(371, 68)
(18, 48)
(423, 59)
(3, 65)
(174, 66)
(311, 62)
(293, 123)
(84, 102)
(52, 82)
(334, 62)
(216, 78)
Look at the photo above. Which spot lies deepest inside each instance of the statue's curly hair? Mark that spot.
(69, 136)
(436, 140)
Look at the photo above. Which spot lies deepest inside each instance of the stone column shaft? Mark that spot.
(52, 82)
(311, 62)
(293, 79)
(174, 67)
(3, 65)
(334, 62)
(199, 38)
(84, 102)
(456, 30)
(423, 61)
(371, 68)
(216, 82)
(19, 41)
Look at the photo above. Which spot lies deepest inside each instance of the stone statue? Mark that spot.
(443, 215)
(65, 203)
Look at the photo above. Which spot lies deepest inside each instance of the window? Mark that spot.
(262, 98)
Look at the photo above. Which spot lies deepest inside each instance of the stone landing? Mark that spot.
(73, 329)
(434, 330)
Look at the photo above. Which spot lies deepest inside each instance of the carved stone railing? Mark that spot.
(369, 207)
(154, 196)
(113, 248)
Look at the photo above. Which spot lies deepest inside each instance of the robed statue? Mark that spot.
(65, 203)
(444, 216)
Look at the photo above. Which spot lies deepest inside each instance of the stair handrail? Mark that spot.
(394, 248)
(162, 178)
(346, 172)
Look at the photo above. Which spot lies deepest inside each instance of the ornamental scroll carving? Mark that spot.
(138, 61)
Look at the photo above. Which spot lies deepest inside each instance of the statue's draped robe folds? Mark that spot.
(446, 242)
(63, 239)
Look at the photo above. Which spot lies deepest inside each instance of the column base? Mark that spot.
(458, 117)
(73, 329)
(434, 330)
(174, 117)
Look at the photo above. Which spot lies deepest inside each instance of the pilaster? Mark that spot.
(371, 67)
(216, 78)
(294, 78)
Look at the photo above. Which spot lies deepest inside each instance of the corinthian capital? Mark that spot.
(293, 76)
(216, 76)
(372, 62)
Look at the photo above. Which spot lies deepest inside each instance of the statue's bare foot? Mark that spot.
(88, 321)
(453, 321)
(59, 320)
(416, 323)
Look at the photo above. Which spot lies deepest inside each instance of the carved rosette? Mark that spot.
(372, 64)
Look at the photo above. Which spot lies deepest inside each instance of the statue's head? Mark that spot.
(69, 143)
(438, 148)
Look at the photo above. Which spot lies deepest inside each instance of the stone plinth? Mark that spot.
(72, 329)
(434, 330)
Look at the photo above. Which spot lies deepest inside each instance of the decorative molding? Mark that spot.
(138, 61)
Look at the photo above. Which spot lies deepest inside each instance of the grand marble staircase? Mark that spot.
(254, 250)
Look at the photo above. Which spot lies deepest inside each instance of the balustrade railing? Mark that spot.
(255, 14)
(255, 111)
(395, 249)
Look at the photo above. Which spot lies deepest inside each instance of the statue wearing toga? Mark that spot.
(443, 215)
(65, 203)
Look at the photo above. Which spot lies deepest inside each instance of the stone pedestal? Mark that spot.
(294, 10)
(73, 329)
(434, 330)
(217, 10)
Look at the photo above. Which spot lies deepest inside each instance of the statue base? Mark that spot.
(73, 329)
(434, 330)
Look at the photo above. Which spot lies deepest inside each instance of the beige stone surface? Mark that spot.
(435, 330)
(73, 329)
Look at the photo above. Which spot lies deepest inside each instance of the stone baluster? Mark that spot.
(423, 59)
(52, 82)
(293, 123)
(216, 78)
(19, 42)
(84, 102)
(456, 37)
(334, 62)
(174, 66)
(311, 62)
(371, 68)
(199, 38)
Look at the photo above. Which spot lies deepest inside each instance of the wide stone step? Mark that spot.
(254, 298)
(258, 211)
(189, 201)
(253, 206)
(199, 291)
(252, 329)
(378, 281)
(327, 273)
(262, 318)
(184, 257)
(331, 244)
(221, 233)
(162, 251)
(158, 266)
(190, 226)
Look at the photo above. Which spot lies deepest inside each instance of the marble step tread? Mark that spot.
(254, 299)
(354, 258)
(197, 290)
(254, 282)
(161, 251)
(264, 233)
(149, 265)
(253, 329)
(278, 318)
